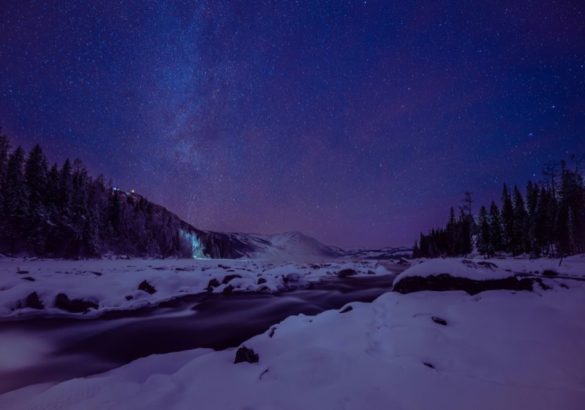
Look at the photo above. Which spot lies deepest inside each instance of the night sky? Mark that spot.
(357, 122)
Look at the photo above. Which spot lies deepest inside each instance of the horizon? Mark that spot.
(357, 123)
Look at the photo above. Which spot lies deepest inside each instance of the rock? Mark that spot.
(21, 271)
(246, 355)
(346, 309)
(213, 283)
(228, 290)
(28, 278)
(129, 297)
(228, 278)
(146, 287)
(291, 278)
(430, 365)
(446, 282)
(549, 273)
(439, 321)
(63, 302)
(33, 301)
(345, 273)
(260, 281)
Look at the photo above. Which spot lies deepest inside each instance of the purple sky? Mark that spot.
(357, 122)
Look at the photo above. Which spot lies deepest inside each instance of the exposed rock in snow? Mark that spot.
(147, 287)
(63, 302)
(446, 282)
(246, 355)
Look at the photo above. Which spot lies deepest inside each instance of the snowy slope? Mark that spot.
(496, 350)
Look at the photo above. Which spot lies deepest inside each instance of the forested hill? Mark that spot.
(62, 211)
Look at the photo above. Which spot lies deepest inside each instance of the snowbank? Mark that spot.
(136, 283)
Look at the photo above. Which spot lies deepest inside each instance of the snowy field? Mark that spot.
(423, 350)
(106, 285)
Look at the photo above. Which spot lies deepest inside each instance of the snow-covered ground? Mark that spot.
(499, 349)
(423, 350)
(114, 284)
(482, 269)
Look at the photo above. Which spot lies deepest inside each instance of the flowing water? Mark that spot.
(54, 349)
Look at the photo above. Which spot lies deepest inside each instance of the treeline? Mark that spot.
(61, 211)
(548, 219)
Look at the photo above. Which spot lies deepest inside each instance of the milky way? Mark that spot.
(358, 122)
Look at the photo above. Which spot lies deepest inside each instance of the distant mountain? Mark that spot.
(286, 246)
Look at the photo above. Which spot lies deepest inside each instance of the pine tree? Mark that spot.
(496, 236)
(36, 180)
(520, 223)
(16, 195)
(65, 188)
(507, 219)
(4, 151)
(484, 241)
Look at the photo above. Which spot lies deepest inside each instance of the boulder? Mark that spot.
(228, 290)
(228, 278)
(345, 273)
(246, 355)
(439, 320)
(63, 302)
(213, 283)
(33, 301)
(146, 287)
(446, 282)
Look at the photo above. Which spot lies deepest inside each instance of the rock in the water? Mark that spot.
(445, 282)
(228, 278)
(228, 290)
(439, 320)
(213, 283)
(429, 365)
(549, 273)
(33, 301)
(261, 281)
(346, 273)
(63, 302)
(246, 355)
(146, 287)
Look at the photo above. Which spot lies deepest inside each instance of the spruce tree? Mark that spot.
(36, 180)
(507, 219)
(520, 223)
(4, 151)
(496, 236)
(484, 240)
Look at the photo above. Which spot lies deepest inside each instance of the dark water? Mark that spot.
(56, 349)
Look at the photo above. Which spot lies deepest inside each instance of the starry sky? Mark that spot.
(357, 122)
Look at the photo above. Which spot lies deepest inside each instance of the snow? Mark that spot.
(113, 284)
(484, 269)
(499, 349)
